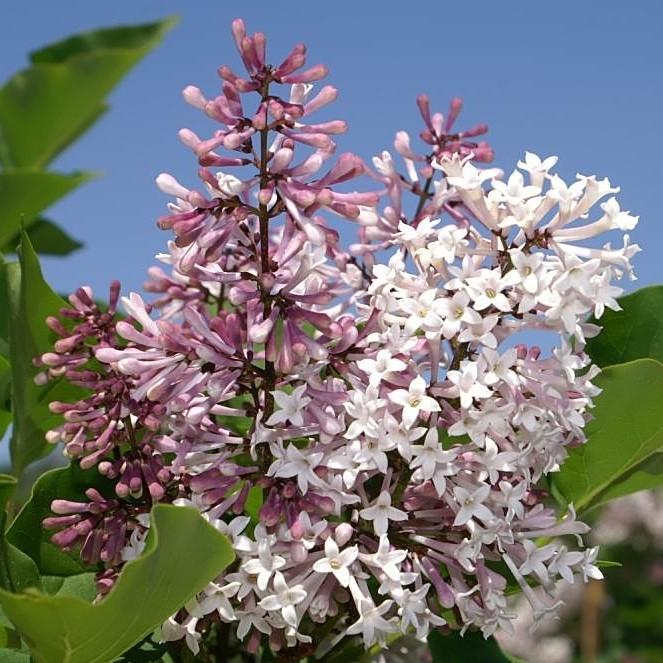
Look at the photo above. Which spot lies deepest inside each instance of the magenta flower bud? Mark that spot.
(332, 127)
(477, 130)
(68, 507)
(423, 103)
(294, 60)
(483, 153)
(343, 533)
(325, 96)
(249, 55)
(259, 120)
(315, 73)
(455, 108)
(260, 47)
(297, 530)
(66, 538)
(444, 592)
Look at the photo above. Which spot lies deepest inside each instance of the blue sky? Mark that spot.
(577, 79)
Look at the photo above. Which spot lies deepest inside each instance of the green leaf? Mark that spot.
(7, 488)
(24, 194)
(48, 105)
(17, 570)
(31, 300)
(148, 591)
(26, 532)
(5, 394)
(647, 475)
(636, 332)
(146, 651)
(47, 239)
(454, 648)
(14, 656)
(627, 429)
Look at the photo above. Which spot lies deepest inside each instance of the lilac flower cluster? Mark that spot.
(383, 415)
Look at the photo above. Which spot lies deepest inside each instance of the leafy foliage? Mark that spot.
(31, 300)
(625, 434)
(635, 332)
(149, 589)
(26, 532)
(47, 106)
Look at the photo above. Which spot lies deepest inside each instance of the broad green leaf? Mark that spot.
(626, 430)
(454, 648)
(83, 586)
(14, 656)
(31, 300)
(635, 332)
(26, 532)
(148, 591)
(17, 570)
(47, 239)
(24, 194)
(645, 476)
(48, 105)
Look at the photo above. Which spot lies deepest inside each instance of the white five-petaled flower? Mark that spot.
(424, 312)
(284, 599)
(472, 504)
(434, 461)
(385, 559)
(298, 464)
(382, 512)
(264, 565)
(414, 400)
(371, 623)
(336, 561)
(467, 383)
(381, 367)
(291, 406)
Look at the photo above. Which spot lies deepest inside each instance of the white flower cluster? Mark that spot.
(428, 450)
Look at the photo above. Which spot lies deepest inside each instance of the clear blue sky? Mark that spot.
(578, 79)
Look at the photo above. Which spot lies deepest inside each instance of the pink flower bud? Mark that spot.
(343, 533)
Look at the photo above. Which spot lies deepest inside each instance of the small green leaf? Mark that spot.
(148, 591)
(635, 332)
(454, 648)
(31, 300)
(627, 429)
(26, 532)
(47, 239)
(48, 105)
(24, 194)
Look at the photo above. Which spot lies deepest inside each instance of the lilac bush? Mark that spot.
(368, 425)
